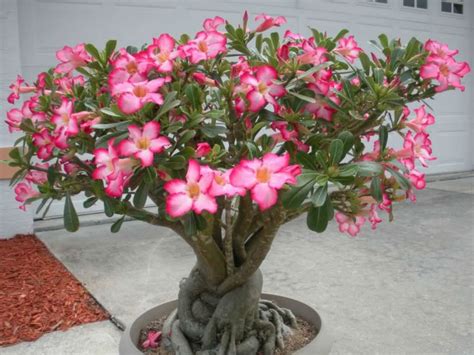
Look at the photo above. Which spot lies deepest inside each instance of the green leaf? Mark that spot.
(318, 217)
(366, 63)
(376, 189)
(383, 40)
(341, 34)
(139, 199)
(401, 180)
(321, 158)
(192, 92)
(368, 168)
(295, 195)
(303, 97)
(90, 202)
(348, 170)
(319, 197)
(168, 105)
(213, 131)
(383, 137)
(111, 113)
(90, 48)
(186, 137)
(108, 207)
(336, 151)
(110, 47)
(306, 160)
(201, 222)
(114, 228)
(71, 221)
(111, 125)
(348, 139)
(41, 205)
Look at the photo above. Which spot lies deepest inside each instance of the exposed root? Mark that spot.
(238, 323)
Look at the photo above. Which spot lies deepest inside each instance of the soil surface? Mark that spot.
(38, 294)
(302, 335)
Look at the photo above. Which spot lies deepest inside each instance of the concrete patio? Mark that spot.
(405, 289)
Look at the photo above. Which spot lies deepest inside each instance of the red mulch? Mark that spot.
(38, 294)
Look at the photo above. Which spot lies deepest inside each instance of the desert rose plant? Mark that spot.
(229, 135)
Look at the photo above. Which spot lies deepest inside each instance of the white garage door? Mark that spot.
(46, 25)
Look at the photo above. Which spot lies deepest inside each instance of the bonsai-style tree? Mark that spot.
(231, 134)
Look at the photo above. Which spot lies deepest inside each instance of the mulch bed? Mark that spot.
(38, 294)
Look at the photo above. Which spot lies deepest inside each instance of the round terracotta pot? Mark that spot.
(320, 345)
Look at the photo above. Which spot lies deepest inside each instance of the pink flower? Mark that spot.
(15, 116)
(127, 67)
(206, 45)
(114, 171)
(268, 22)
(221, 185)
(17, 88)
(293, 36)
(263, 90)
(441, 66)
(212, 24)
(162, 53)
(264, 177)
(417, 179)
(133, 96)
(202, 79)
(143, 144)
(420, 147)
(323, 89)
(24, 191)
(374, 218)
(421, 121)
(386, 204)
(66, 83)
(288, 135)
(348, 224)
(438, 50)
(71, 58)
(190, 194)
(152, 340)
(348, 48)
(64, 119)
(45, 143)
(38, 177)
(203, 149)
(312, 54)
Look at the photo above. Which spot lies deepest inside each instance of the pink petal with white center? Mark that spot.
(242, 176)
(257, 101)
(155, 97)
(249, 79)
(175, 186)
(194, 171)
(204, 202)
(277, 180)
(100, 173)
(178, 205)
(151, 130)
(165, 42)
(266, 73)
(146, 157)
(274, 162)
(154, 85)
(127, 148)
(205, 181)
(129, 103)
(429, 71)
(159, 144)
(264, 195)
(277, 90)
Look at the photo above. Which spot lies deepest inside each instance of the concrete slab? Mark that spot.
(464, 185)
(406, 289)
(99, 338)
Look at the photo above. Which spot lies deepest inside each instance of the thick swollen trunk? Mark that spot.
(237, 322)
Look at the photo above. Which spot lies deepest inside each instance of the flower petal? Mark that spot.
(205, 202)
(264, 195)
(178, 205)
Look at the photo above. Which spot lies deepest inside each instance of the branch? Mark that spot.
(228, 252)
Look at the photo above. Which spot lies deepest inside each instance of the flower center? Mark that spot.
(263, 175)
(143, 143)
(131, 67)
(193, 190)
(202, 46)
(140, 91)
(262, 88)
(65, 118)
(443, 68)
(219, 179)
(163, 56)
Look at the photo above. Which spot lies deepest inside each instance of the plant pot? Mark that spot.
(320, 345)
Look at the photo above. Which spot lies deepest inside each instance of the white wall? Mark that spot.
(32, 30)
